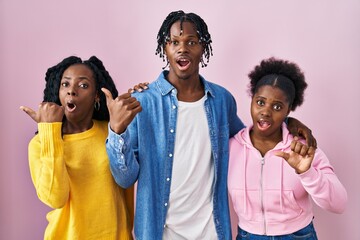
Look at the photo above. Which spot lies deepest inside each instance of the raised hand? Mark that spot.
(300, 157)
(48, 112)
(122, 110)
(139, 87)
(297, 128)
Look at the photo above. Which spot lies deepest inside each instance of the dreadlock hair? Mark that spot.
(282, 74)
(102, 79)
(201, 28)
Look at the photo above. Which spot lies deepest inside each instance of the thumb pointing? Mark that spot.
(107, 95)
(29, 112)
(283, 155)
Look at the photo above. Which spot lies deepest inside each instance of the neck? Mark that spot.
(189, 89)
(70, 127)
(265, 143)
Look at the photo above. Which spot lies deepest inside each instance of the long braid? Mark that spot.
(103, 80)
(164, 33)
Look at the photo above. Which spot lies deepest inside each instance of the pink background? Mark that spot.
(322, 36)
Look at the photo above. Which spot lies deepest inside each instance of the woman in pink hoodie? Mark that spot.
(272, 175)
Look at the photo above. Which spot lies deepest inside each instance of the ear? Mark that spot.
(289, 110)
(97, 97)
(165, 51)
(203, 47)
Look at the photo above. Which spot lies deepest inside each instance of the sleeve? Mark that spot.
(130, 202)
(47, 166)
(235, 123)
(323, 185)
(123, 163)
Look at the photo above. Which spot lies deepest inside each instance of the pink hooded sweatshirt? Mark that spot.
(269, 197)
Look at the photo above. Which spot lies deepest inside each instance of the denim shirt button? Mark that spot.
(167, 179)
(165, 204)
(171, 130)
(173, 106)
(121, 141)
(170, 155)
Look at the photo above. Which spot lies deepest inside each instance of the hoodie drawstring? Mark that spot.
(281, 184)
(245, 190)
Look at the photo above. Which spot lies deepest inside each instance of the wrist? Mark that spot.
(117, 127)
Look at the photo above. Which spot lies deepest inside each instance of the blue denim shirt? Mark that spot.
(144, 153)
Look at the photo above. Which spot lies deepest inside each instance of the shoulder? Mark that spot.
(218, 92)
(216, 88)
(147, 95)
(101, 125)
(35, 140)
(240, 137)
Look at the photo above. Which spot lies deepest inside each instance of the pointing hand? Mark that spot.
(122, 110)
(47, 112)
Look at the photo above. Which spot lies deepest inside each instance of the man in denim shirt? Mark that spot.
(173, 139)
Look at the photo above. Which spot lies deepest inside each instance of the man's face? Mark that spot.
(184, 50)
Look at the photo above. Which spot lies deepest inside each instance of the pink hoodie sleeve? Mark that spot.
(323, 185)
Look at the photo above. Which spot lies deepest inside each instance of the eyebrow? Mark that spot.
(276, 101)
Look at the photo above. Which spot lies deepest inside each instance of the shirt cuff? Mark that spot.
(119, 144)
(310, 176)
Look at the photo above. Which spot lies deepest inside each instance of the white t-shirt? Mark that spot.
(190, 212)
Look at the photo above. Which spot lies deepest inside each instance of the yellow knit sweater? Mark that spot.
(71, 174)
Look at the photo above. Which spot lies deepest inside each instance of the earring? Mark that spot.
(97, 105)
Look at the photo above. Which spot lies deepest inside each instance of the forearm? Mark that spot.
(47, 166)
(325, 188)
(123, 163)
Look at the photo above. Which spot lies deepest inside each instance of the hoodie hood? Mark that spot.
(243, 137)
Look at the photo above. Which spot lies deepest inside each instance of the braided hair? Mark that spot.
(163, 35)
(281, 74)
(102, 79)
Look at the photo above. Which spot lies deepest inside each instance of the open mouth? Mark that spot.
(70, 107)
(183, 63)
(263, 124)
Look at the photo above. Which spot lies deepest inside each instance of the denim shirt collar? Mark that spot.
(165, 87)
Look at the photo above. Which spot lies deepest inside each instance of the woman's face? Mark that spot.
(77, 93)
(269, 108)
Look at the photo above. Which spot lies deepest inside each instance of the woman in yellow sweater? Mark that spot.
(68, 161)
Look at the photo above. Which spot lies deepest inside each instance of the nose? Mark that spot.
(182, 47)
(265, 112)
(71, 92)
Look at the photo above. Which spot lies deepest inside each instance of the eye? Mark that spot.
(277, 107)
(174, 42)
(191, 43)
(64, 84)
(260, 102)
(83, 85)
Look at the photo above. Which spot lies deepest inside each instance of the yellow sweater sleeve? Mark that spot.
(47, 165)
